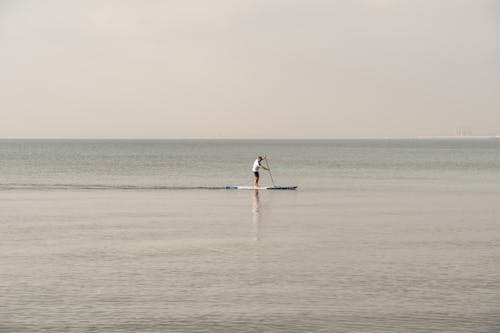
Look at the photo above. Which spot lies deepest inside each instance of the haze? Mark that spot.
(248, 69)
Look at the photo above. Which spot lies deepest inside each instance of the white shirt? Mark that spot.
(256, 166)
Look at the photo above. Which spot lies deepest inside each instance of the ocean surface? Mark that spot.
(140, 236)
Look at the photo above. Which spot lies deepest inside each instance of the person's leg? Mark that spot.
(256, 179)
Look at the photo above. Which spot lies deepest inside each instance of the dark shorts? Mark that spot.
(256, 173)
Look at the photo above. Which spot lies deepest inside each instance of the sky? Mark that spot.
(249, 68)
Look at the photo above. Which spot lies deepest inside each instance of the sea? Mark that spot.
(385, 235)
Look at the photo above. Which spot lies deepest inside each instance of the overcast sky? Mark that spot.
(248, 68)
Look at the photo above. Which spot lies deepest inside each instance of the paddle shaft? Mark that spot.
(270, 174)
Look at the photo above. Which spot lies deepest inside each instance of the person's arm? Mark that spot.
(262, 166)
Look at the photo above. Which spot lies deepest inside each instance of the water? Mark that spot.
(138, 236)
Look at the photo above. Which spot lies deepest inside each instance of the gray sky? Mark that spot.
(249, 68)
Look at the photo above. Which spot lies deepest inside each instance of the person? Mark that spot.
(256, 167)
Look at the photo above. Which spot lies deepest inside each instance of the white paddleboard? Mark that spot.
(236, 187)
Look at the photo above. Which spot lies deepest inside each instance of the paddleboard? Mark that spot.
(236, 187)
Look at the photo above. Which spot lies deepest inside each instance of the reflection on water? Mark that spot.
(256, 218)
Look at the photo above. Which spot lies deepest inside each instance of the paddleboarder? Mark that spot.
(256, 167)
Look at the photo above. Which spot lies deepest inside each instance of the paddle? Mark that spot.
(269, 169)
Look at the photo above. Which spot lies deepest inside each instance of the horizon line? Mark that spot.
(264, 138)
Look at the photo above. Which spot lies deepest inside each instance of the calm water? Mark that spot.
(134, 236)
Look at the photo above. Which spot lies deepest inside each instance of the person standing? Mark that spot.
(256, 167)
